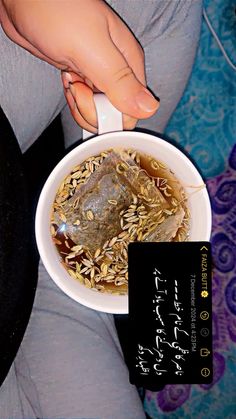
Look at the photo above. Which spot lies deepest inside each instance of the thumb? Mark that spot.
(128, 95)
(129, 79)
(112, 74)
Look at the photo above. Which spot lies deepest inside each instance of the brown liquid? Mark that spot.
(159, 173)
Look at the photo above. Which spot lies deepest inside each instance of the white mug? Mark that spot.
(110, 135)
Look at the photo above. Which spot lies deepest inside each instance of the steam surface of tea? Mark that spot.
(108, 201)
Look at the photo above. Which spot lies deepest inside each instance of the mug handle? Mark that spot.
(109, 118)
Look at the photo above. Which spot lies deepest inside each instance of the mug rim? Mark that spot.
(120, 305)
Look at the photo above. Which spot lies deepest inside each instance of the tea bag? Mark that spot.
(164, 176)
(92, 215)
(167, 230)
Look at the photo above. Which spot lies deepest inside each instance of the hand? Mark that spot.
(94, 49)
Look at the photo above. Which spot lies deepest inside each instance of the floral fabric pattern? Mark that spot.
(204, 124)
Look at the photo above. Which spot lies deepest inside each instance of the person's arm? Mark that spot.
(89, 42)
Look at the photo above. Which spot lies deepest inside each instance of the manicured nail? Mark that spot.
(146, 101)
(67, 79)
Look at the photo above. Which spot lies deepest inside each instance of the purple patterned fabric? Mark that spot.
(222, 190)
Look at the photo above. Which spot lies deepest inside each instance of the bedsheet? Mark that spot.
(204, 124)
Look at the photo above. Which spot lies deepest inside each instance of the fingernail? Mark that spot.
(67, 78)
(146, 101)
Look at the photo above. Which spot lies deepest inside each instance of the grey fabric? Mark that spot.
(70, 363)
(31, 95)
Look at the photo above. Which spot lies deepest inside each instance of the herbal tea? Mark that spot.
(108, 201)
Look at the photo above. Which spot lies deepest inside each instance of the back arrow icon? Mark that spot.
(204, 247)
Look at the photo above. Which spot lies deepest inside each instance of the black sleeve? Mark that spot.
(18, 270)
